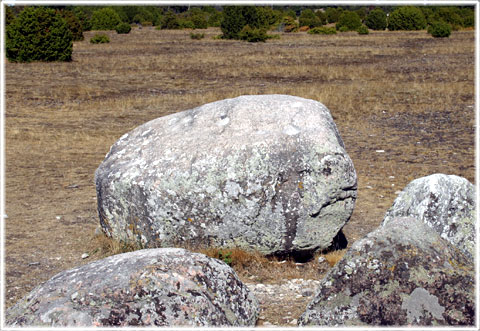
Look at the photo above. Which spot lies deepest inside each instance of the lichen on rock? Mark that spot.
(446, 203)
(152, 287)
(266, 173)
(403, 273)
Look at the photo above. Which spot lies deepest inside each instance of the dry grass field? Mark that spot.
(405, 93)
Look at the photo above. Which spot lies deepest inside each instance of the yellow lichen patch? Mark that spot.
(457, 265)
(300, 185)
(189, 219)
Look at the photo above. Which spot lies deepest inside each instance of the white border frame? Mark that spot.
(235, 2)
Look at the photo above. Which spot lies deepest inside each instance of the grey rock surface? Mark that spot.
(152, 287)
(446, 203)
(401, 274)
(267, 173)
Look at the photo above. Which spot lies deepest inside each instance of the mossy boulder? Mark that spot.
(401, 274)
(266, 173)
(152, 287)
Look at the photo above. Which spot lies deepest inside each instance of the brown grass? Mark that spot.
(332, 257)
(404, 92)
(250, 266)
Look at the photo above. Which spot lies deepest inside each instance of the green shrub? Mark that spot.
(251, 16)
(99, 39)
(138, 18)
(253, 35)
(308, 18)
(199, 21)
(440, 29)
(235, 18)
(197, 36)
(407, 18)
(350, 20)
(84, 16)
(468, 17)
(362, 13)
(333, 14)
(105, 19)
(233, 22)
(123, 28)
(450, 15)
(289, 24)
(343, 29)
(376, 20)
(290, 13)
(73, 24)
(268, 17)
(38, 34)
(186, 24)
(225, 257)
(9, 15)
(215, 19)
(323, 30)
(362, 30)
(170, 21)
(321, 16)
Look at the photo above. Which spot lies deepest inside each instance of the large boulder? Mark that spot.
(152, 287)
(267, 173)
(402, 273)
(446, 203)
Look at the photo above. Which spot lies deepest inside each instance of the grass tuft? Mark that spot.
(333, 257)
(106, 246)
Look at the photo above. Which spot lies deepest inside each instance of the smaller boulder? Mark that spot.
(446, 203)
(402, 273)
(152, 287)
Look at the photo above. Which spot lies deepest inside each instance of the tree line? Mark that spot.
(46, 33)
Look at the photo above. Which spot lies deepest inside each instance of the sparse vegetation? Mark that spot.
(123, 28)
(323, 30)
(289, 24)
(252, 35)
(99, 39)
(362, 30)
(197, 36)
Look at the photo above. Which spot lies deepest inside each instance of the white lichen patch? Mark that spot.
(420, 302)
(446, 203)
